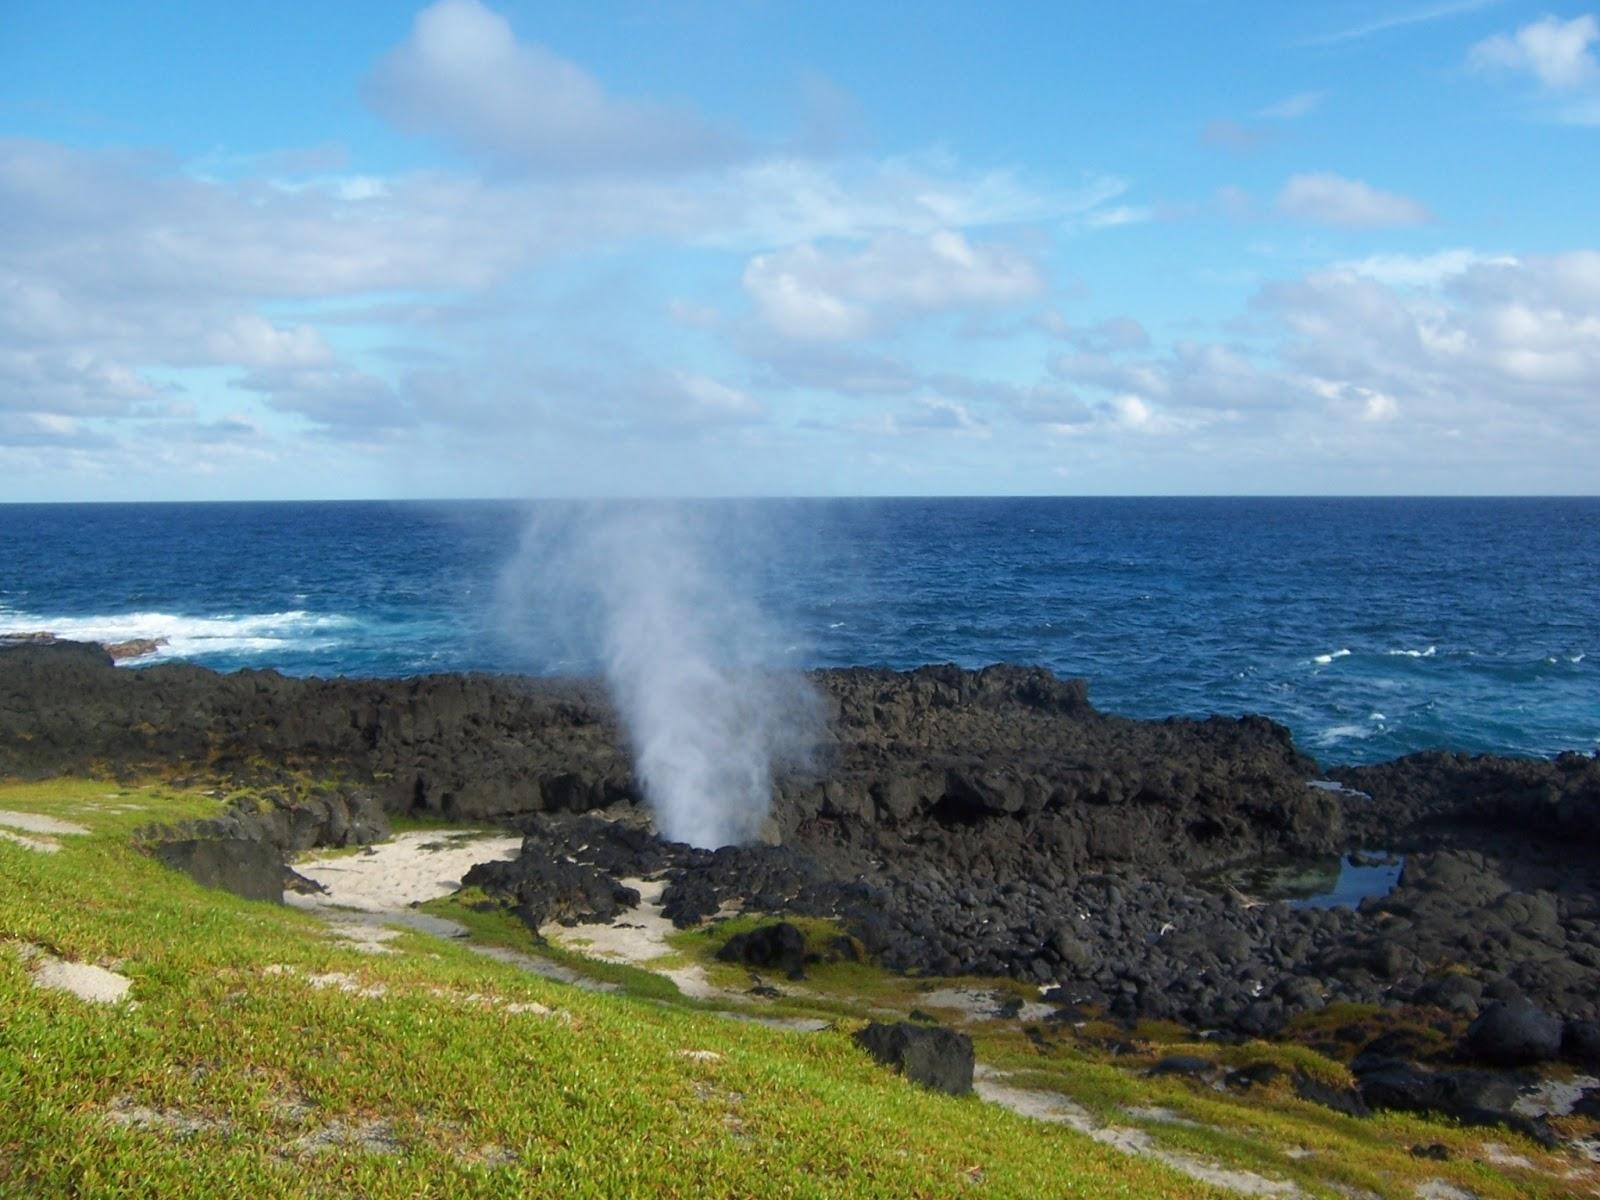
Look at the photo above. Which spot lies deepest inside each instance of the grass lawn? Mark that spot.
(257, 1056)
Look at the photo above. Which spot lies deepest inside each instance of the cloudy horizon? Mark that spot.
(512, 249)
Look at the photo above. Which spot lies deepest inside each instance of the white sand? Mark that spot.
(977, 1005)
(83, 980)
(392, 876)
(637, 938)
(991, 1085)
(35, 823)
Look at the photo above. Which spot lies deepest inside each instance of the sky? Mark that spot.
(281, 250)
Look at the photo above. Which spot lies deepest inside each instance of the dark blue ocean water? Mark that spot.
(1370, 627)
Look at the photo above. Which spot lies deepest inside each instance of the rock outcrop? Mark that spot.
(955, 822)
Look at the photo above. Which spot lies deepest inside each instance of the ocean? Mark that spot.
(1370, 627)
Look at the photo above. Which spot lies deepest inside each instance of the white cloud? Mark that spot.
(463, 76)
(1428, 270)
(810, 293)
(1500, 355)
(708, 401)
(936, 412)
(1520, 333)
(113, 264)
(1328, 199)
(1555, 52)
(28, 429)
(1292, 108)
(342, 401)
(253, 341)
(1121, 214)
(1400, 20)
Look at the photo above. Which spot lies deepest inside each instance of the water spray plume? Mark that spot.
(646, 593)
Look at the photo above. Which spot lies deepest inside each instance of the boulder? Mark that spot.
(249, 868)
(933, 1056)
(776, 947)
(1514, 1034)
(1580, 1043)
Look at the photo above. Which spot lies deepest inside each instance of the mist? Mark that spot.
(661, 600)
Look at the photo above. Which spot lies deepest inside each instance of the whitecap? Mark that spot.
(1428, 653)
(1341, 733)
(185, 636)
(1324, 659)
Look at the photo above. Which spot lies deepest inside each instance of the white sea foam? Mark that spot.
(1323, 660)
(1428, 653)
(185, 636)
(1343, 733)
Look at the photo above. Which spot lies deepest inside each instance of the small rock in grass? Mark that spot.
(935, 1057)
(780, 946)
(1188, 1065)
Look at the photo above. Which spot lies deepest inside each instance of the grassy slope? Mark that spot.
(242, 1071)
(238, 1065)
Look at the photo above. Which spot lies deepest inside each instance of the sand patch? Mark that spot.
(83, 980)
(369, 1137)
(174, 1122)
(35, 823)
(1058, 1109)
(394, 875)
(638, 939)
(990, 1085)
(975, 1004)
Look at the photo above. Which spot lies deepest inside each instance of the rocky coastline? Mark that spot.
(965, 823)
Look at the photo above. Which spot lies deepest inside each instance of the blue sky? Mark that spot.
(285, 250)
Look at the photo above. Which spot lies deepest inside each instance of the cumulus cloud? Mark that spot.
(811, 293)
(1560, 57)
(343, 401)
(465, 77)
(1412, 270)
(114, 265)
(1328, 199)
(1557, 53)
(1521, 333)
(30, 429)
(1492, 355)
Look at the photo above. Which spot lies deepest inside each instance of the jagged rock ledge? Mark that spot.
(983, 822)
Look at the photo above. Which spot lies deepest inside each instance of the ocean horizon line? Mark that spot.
(748, 499)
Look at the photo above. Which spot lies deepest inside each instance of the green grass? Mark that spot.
(250, 1081)
(229, 1039)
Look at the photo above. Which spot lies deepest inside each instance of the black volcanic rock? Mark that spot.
(931, 1055)
(955, 822)
(544, 891)
(779, 946)
(1514, 1034)
(249, 868)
